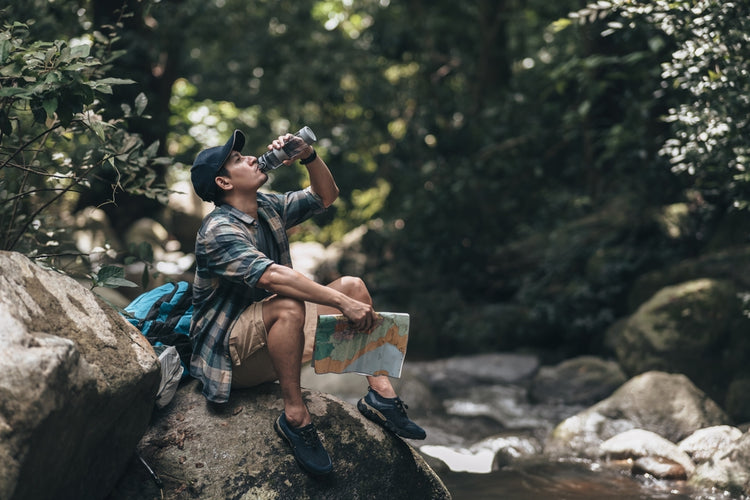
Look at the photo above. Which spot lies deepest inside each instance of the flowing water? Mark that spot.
(569, 481)
(478, 419)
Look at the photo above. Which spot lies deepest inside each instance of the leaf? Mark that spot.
(145, 277)
(145, 252)
(152, 149)
(50, 106)
(117, 282)
(140, 103)
(13, 91)
(5, 126)
(115, 81)
(80, 51)
(98, 129)
(109, 272)
(5, 47)
(112, 277)
(40, 115)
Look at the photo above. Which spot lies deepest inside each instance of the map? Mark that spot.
(341, 349)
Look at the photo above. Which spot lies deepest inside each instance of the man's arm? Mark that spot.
(321, 178)
(287, 282)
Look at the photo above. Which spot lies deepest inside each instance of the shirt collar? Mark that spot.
(239, 214)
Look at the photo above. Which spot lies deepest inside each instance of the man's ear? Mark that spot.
(223, 182)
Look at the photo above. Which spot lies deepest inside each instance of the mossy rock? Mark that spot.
(204, 452)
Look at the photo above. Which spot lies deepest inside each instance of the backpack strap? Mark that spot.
(155, 309)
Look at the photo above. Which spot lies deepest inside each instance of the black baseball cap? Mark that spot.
(209, 161)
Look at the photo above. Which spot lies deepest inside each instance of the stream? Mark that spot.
(474, 406)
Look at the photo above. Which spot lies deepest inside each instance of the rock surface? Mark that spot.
(77, 389)
(690, 328)
(581, 380)
(728, 468)
(669, 405)
(201, 451)
(705, 443)
(639, 443)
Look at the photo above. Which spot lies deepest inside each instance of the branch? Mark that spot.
(28, 143)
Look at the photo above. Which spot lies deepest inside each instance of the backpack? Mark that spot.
(163, 315)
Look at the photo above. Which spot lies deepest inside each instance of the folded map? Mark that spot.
(339, 348)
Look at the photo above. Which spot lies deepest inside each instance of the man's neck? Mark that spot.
(247, 203)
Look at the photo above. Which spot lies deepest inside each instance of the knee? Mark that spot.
(290, 311)
(355, 287)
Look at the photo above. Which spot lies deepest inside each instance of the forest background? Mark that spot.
(518, 164)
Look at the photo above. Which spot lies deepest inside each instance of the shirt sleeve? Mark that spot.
(298, 206)
(231, 254)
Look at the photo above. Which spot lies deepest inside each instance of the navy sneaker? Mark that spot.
(389, 413)
(306, 446)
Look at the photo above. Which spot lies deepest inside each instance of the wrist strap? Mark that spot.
(310, 158)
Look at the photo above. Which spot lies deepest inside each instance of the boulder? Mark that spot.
(728, 468)
(77, 389)
(704, 443)
(200, 450)
(659, 468)
(581, 380)
(666, 404)
(639, 443)
(696, 328)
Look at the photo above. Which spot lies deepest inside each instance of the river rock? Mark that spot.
(77, 387)
(660, 468)
(205, 451)
(667, 404)
(704, 443)
(728, 468)
(638, 443)
(696, 328)
(581, 380)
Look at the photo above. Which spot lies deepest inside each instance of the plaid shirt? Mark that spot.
(229, 264)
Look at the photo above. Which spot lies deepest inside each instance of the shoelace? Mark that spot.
(402, 407)
(309, 436)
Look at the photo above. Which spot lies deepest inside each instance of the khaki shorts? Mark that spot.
(248, 345)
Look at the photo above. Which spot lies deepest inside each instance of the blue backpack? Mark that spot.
(163, 315)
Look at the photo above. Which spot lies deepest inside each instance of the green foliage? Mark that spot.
(487, 144)
(708, 68)
(110, 277)
(54, 140)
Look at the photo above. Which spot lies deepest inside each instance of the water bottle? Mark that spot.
(274, 158)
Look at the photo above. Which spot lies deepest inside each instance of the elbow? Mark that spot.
(331, 197)
(270, 278)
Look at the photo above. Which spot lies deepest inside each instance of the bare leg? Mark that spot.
(284, 319)
(356, 288)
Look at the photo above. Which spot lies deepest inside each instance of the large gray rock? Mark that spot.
(581, 380)
(669, 405)
(637, 443)
(201, 451)
(728, 468)
(696, 328)
(704, 443)
(77, 387)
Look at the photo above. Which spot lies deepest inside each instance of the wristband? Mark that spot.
(313, 156)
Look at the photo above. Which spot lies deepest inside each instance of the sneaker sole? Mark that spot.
(281, 433)
(374, 415)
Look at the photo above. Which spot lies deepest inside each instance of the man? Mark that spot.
(252, 312)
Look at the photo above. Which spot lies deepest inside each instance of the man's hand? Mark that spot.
(361, 315)
(303, 152)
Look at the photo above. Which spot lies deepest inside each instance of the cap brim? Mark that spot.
(235, 143)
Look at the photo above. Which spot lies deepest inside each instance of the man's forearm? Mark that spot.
(322, 182)
(287, 282)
